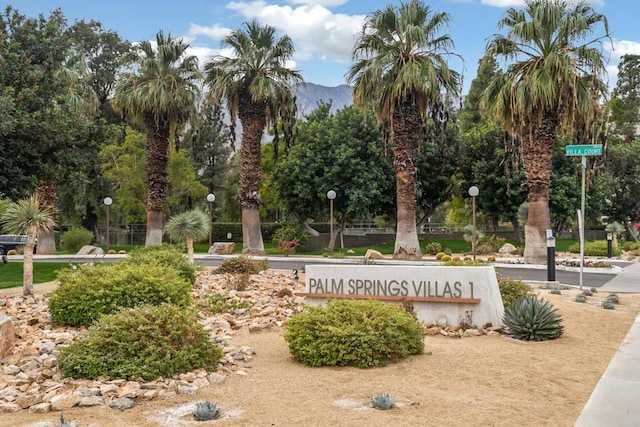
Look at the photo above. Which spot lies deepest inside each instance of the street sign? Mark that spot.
(584, 150)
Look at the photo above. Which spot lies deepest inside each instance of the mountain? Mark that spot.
(309, 94)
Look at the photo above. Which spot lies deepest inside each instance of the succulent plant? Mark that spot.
(594, 290)
(587, 293)
(608, 304)
(581, 298)
(206, 411)
(555, 291)
(613, 298)
(533, 319)
(382, 401)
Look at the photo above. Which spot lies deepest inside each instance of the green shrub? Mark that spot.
(84, 295)
(439, 255)
(446, 258)
(432, 248)
(594, 248)
(288, 232)
(166, 255)
(361, 333)
(495, 242)
(512, 289)
(12, 252)
(148, 342)
(74, 239)
(533, 319)
(631, 246)
(242, 265)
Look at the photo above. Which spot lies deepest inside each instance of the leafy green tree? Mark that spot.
(190, 226)
(163, 94)
(256, 85)
(340, 152)
(27, 216)
(208, 143)
(470, 113)
(553, 84)
(401, 69)
(625, 105)
(622, 194)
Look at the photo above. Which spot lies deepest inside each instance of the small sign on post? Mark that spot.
(584, 150)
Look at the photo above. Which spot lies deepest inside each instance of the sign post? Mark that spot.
(583, 151)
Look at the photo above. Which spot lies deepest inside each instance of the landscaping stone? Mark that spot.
(222, 248)
(7, 335)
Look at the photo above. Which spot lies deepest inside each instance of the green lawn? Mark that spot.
(11, 273)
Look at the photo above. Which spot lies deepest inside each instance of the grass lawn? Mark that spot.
(11, 273)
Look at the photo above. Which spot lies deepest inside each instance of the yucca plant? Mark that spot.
(532, 319)
(206, 411)
(382, 401)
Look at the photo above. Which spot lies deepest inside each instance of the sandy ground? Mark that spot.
(475, 381)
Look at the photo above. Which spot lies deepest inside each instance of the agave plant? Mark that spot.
(382, 401)
(533, 319)
(608, 304)
(555, 291)
(613, 298)
(206, 411)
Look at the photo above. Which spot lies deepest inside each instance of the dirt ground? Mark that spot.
(474, 381)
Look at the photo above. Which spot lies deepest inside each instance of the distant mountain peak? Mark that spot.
(309, 94)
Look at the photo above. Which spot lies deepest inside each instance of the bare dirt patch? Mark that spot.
(485, 380)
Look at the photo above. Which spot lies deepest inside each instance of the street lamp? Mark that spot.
(108, 201)
(473, 192)
(211, 198)
(332, 241)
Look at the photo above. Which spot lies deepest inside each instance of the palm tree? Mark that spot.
(401, 68)
(189, 227)
(257, 87)
(554, 83)
(163, 94)
(27, 216)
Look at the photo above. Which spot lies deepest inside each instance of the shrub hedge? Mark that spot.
(166, 255)
(148, 342)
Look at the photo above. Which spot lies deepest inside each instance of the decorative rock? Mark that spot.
(90, 250)
(471, 333)
(131, 389)
(28, 400)
(222, 248)
(187, 389)
(441, 321)
(63, 402)
(373, 254)
(216, 378)
(40, 408)
(91, 401)
(507, 249)
(122, 403)
(9, 407)
(7, 335)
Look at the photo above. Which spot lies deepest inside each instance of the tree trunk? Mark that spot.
(406, 126)
(46, 193)
(27, 265)
(189, 243)
(252, 116)
(157, 129)
(539, 141)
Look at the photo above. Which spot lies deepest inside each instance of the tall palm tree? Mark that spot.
(401, 68)
(163, 94)
(27, 216)
(553, 84)
(257, 87)
(189, 226)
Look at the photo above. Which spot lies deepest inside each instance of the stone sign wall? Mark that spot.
(434, 290)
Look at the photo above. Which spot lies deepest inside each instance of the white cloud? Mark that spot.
(317, 33)
(623, 47)
(215, 32)
(327, 3)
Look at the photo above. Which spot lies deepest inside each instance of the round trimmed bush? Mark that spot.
(241, 265)
(362, 333)
(512, 289)
(84, 295)
(74, 239)
(148, 342)
(164, 254)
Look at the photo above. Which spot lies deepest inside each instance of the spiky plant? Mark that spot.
(382, 401)
(581, 298)
(206, 411)
(533, 319)
(613, 298)
(555, 291)
(189, 226)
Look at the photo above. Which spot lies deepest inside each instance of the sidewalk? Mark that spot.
(615, 401)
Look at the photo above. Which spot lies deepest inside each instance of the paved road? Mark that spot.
(522, 272)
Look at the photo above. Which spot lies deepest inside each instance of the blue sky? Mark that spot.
(322, 30)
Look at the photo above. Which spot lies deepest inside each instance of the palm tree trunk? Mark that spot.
(46, 193)
(538, 145)
(27, 265)
(253, 118)
(157, 129)
(406, 126)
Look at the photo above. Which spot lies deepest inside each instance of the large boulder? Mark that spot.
(222, 248)
(373, 254)
(507, 249)
(7, 336)
(90, 250)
